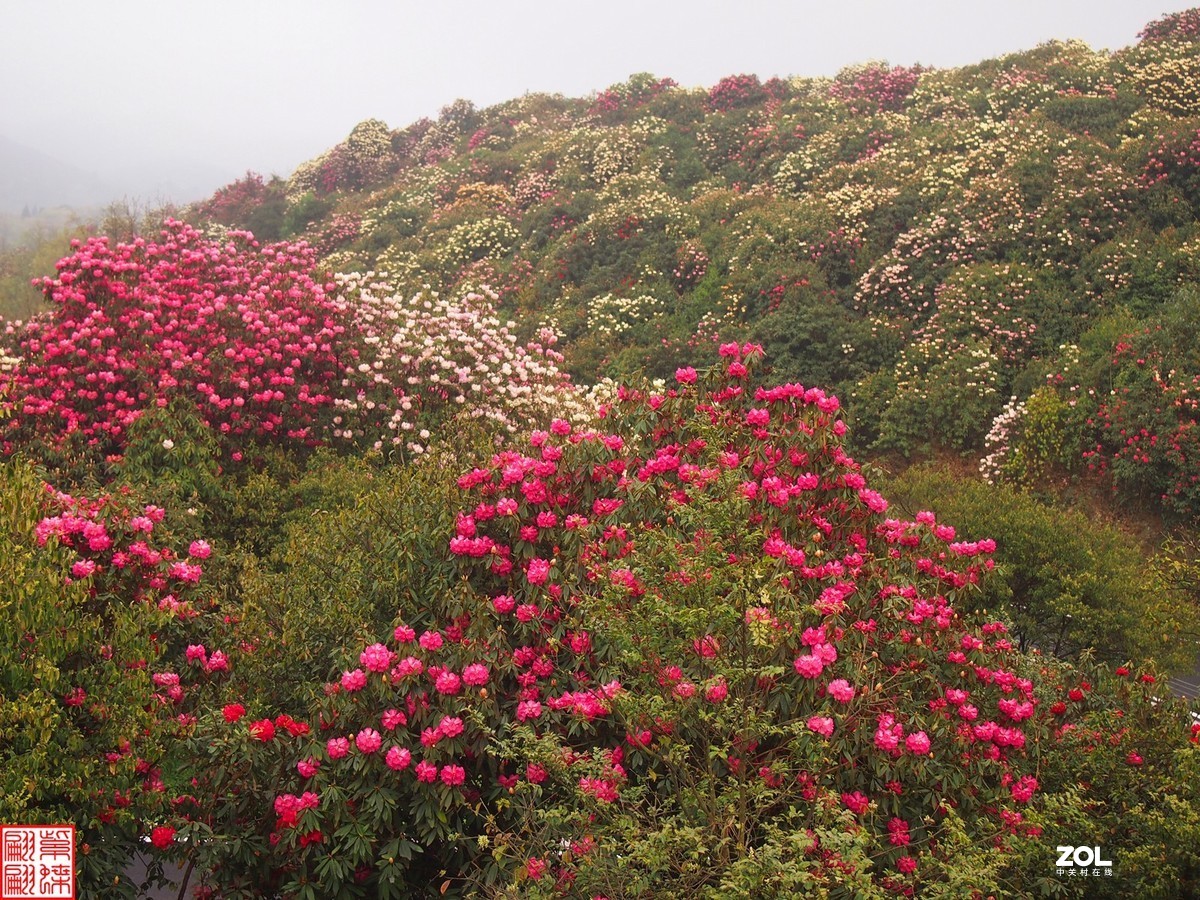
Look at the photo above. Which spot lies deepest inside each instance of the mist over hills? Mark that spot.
(31, 179)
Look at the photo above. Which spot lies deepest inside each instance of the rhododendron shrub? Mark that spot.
(98, 606)
(699, 610)
(1147, 430)
(244, 332)
(249, 202)
(1121, 763)
(875, 87)
(777, 638)
(423, 359)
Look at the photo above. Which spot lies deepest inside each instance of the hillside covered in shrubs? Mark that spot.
(784, 488)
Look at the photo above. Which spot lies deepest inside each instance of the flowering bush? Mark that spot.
(363, 159)
(423, 359)
(679, 647)
(245, 333)
(701, 611)
(629, 95)
(98, 600)
(1067, 584)
(735, 91)
(875, 87)
(236, 202)
(1147, 427)
(1176, 161)
(1184, 25)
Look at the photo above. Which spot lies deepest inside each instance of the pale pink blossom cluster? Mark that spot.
(425, 358)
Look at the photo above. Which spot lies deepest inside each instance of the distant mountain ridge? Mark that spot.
(31, 178)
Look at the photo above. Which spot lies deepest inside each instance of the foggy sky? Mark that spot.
(131, 87)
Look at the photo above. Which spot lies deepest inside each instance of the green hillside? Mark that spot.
(984, 260)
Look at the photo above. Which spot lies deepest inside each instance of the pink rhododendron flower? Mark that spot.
(856, 802)
(898, 835)
(918, 743)
(716, 692)
(368, 740)
(684, 690)
(426, 771)
(182, 571)
(337, 747)
(448, 683)
(602, 789)
(536, 773)
(535, 868)
(821, 725)
(809, 666)
(393, 719)
(504, 604)
(354, 680)
(841, 690)
(408, 666)
(538, 571)
(199, 550)
(376, 658)
(453, 775)
(475, 675)
(1024, 788)
(431, 640)
(398, 758)
(528, 709)
(888, 734)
